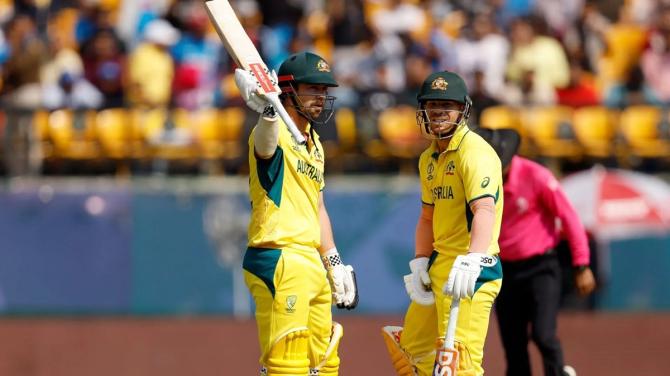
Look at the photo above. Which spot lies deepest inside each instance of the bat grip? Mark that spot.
(450, 336)
(276, 103)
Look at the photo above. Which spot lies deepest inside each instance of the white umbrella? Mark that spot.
(619, 204)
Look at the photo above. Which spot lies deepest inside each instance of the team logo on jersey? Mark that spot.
(451, 168)
(318, 156)
(439, 84)
(322, 66)
(290, 303)
(486, 182)
(430, 170)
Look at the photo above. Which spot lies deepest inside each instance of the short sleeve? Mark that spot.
(482, 173)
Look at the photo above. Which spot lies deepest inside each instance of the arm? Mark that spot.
(266, 138)
(466, 268)
(555, 201)
(341, 277)
(484, 211)
(327, 239)
(423, 241)
(557, 205)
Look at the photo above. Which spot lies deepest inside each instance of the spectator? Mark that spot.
(71, 91)
(485, 52)
(350, 34)
(151, 68)
(537, 66)
(280, 18)
(559, 15)
(197, 60)
(62, 59)
(105, 67)
(581, 91)
(92, 18)
(480, 97)
(401, 17)
(20, 74)
(417, 67)
(584, 38)
(624, 42)
(656, 62)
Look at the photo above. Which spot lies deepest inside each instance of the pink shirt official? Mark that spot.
(533, 202)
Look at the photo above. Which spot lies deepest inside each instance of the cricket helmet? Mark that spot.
(311, 69)
(442, 86)
(306, 68)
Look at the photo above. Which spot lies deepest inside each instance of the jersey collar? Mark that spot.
(455, 142)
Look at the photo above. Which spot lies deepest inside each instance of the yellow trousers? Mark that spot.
(292, 293)
(425, 326)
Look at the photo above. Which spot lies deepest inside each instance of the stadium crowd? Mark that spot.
(148, 54)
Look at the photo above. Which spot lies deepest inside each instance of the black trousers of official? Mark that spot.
(530, 296)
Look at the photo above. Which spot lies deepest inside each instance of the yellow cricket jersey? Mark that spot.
(284, 192)
(469, 169)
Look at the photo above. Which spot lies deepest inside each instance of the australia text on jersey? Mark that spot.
(310, 171)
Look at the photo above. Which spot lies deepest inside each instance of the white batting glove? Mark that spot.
(464, 274)
(417, 283)
(342, 280)
(248, 86)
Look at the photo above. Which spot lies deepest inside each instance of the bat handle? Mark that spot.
(450, 336)
(276, 103)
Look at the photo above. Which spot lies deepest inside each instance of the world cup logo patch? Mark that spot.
(430, 170)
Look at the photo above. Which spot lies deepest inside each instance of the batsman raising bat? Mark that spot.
(290, 236)
(456, 244)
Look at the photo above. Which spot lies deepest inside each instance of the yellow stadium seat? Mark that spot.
(498, 117)
(639, 126)
(73, 135)
(217, 132)
(231, 126)
(596, 131)
(544, 126)
(347, 135)
(113, 127)
(506, 117)
(400, 136)
(170, 135)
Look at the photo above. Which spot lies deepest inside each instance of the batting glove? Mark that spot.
(464, 274)
(342, 280)
(417, 283)
(248, 86)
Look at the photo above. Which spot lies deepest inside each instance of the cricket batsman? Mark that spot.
(291, 266)
(456, 242)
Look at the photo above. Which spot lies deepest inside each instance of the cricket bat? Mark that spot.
(243, 51)
(446, 360)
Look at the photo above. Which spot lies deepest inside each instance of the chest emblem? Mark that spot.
(451, 168)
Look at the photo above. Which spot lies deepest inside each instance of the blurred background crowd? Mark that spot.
(136, 98)
(99, 86)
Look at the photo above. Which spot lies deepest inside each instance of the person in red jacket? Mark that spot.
(536, 214)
